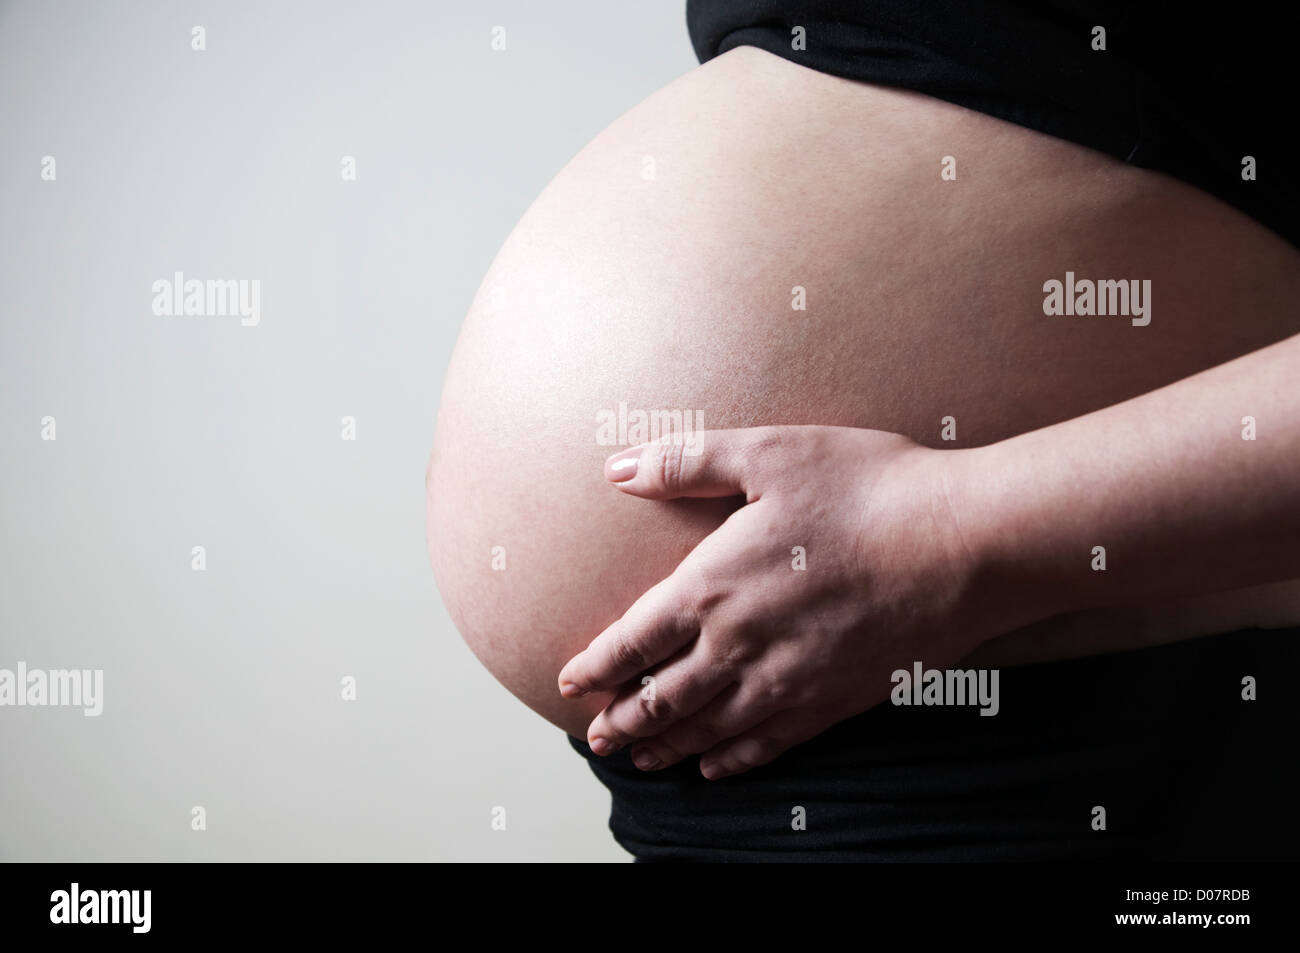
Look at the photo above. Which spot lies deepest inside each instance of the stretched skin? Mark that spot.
(924, 299)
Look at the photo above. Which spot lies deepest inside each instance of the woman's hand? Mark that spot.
(846, 563)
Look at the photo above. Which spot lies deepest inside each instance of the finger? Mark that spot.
(672, 692)
(656, 626)
(703, 463)
(731, 713)
(762, 743)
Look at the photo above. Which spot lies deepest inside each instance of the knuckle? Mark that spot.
(669, 464)
(699, 736)
(756, 750)
(765, 440)
(733, 652)
(667, 756)
(618, 736)
(694, 597)
(667, 752)
(626, 653)
(778, 692)
(652, 757)
(656, 709)
(701, 589)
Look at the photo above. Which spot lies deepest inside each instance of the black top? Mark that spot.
(1175, 91)
(1162, 739)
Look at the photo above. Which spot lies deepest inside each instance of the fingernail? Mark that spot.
(570, 690)
(712, 770)
(621, 467)
(601, 746)
(645, 759)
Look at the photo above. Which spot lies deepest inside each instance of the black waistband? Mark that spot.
(1161, 739)
(1171, 91)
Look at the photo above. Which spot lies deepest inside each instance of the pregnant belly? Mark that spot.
(763, 244)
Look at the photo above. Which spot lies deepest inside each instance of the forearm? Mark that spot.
(1164, 483)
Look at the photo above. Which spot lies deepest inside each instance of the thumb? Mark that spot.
(705, 463)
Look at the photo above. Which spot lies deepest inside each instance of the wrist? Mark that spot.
(993, 520)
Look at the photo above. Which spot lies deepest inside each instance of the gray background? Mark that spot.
(222, 688)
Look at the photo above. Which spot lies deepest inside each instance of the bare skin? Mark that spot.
(924, 300)
(912, 554)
